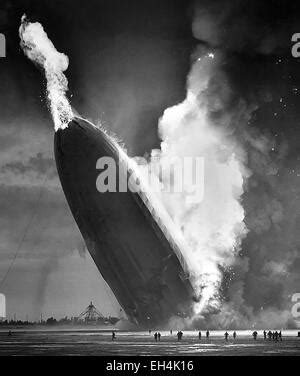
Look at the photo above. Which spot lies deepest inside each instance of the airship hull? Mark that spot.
(128, 246)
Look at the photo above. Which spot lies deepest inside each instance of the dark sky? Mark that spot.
(129, 60)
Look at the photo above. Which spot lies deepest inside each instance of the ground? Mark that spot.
(97, 343)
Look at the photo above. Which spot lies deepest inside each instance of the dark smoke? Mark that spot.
(246, 96)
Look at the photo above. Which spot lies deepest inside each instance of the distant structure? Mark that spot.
(2, 307)
(92, 316)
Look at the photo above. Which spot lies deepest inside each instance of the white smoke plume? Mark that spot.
(257, 288)
(213, 227)
(39, 49)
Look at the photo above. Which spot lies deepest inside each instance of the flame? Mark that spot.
(39, 49)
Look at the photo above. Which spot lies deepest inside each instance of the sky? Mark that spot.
(129, 61)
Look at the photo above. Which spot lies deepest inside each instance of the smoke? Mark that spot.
(49, 265)
(39, 49)
(213, 227)
(245, 26)
(244, 232)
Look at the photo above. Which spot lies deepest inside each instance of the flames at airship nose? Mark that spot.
(140, 261)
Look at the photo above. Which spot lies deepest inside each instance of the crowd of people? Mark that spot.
(275, 335)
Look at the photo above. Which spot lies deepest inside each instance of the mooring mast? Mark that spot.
(91, 314)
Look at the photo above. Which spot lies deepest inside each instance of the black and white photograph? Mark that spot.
(149, 180)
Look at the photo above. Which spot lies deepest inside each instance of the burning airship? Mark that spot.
(136, 254)
(130, 237)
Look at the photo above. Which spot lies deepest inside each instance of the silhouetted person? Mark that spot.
(199, 335)
(265, 334)
(226, 336)
(9, 333)
(171, 331)
(207, 334)
(276, 336)
(113, 336)
(280, 336)
(155, 336)
(254, 335)
(234, 335)
(158, 335)
(269, 335)
(179, 335)
(149, 331)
